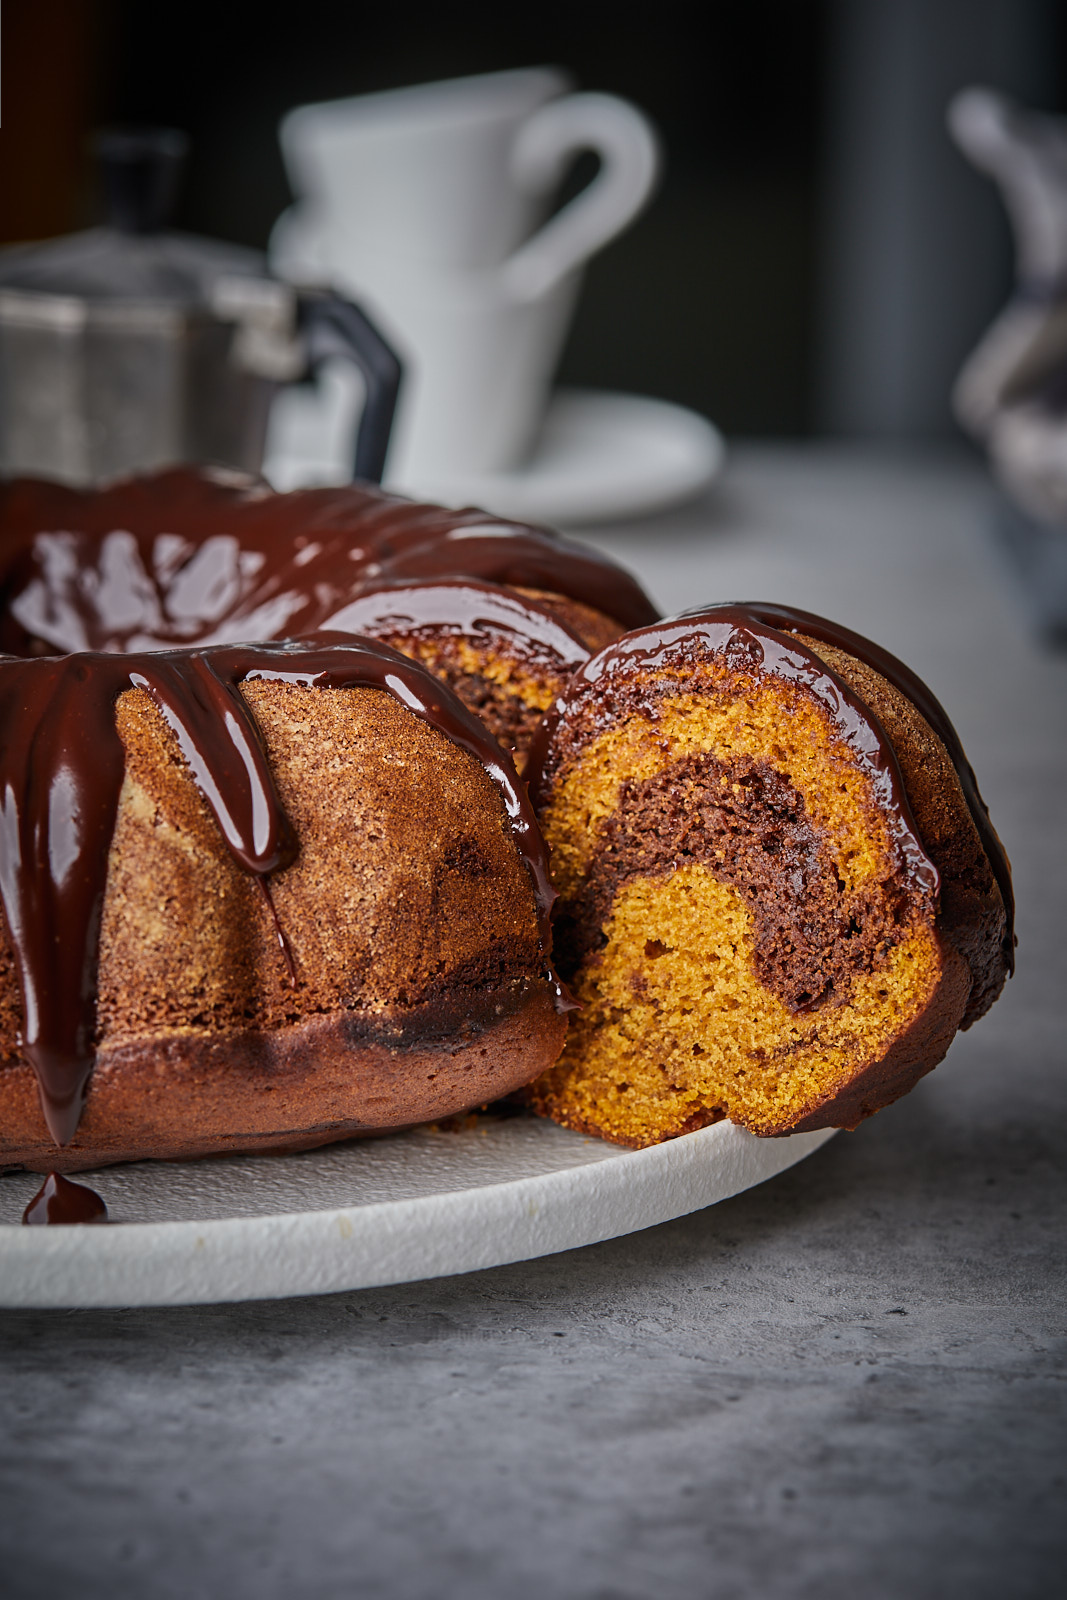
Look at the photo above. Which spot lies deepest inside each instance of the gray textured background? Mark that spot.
(848, 1382)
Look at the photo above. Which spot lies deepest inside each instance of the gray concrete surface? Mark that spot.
(848, 1382)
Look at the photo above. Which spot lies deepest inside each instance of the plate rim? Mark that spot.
(335, 1249)
(578, 503)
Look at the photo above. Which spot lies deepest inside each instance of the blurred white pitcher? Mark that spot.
(426, 202)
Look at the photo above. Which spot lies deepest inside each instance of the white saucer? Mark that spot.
(424, 1204)
(600, 457)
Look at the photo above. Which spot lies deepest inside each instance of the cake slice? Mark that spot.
(780, 893)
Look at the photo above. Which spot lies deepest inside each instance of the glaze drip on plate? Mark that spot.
(60, 1202)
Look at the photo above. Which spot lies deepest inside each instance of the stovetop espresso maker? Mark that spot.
(129, 347)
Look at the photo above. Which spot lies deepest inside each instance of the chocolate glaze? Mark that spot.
(60, 1201)
(189, 556)
(283, 938)
(465, 608)
(61, 770)
(762, 636)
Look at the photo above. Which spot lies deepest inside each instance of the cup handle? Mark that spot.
(331, 326)
(628, 148)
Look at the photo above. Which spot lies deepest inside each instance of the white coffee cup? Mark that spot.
(424, 204)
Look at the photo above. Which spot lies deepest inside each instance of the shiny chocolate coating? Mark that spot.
(463, 608)
(59, 1201)
(189, 556)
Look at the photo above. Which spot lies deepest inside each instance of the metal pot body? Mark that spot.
(93, 389)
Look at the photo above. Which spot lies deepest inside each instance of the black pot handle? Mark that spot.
(331, 326)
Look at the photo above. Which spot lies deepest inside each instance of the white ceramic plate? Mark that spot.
(424, 1204)
(600, 457)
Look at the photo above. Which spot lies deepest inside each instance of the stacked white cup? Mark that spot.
(424, 204)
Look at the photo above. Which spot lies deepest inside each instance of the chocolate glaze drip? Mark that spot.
(761, 635)
(187, 556)
(749, 826)
(61, 770)
(60, 1201)
(283, 938)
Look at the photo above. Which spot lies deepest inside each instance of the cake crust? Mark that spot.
(421, 986)
(179, 1096)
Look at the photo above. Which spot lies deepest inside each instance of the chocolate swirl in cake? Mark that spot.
(767, 632)
(790, 620)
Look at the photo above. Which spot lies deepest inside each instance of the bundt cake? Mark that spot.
(257, 896)
(780, 892)
(269, 897)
